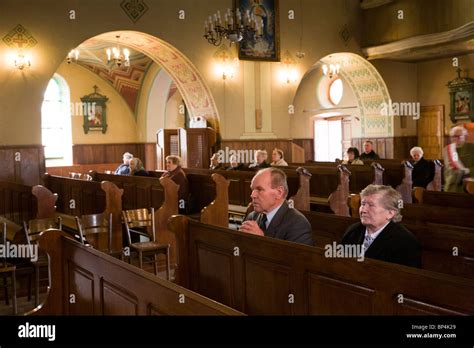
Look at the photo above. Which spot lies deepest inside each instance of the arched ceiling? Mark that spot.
(126, 80)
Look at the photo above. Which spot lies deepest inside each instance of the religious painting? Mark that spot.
(266, 45)
(94, 111)
(462, 103)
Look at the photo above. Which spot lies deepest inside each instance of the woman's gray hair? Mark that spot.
(263, 152)
(174, 159)
(390, 198)
(416, 149)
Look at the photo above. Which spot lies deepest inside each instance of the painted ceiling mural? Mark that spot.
(126, 80)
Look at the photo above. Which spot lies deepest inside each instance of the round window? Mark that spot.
(336, 90)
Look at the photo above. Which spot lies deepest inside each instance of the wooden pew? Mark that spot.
(443, 199)
(217, 212)
(17, 202)
(82, 169)
(437, 242)
(265, 276)
(103, 285)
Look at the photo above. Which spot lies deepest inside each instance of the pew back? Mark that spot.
(261, 276)
(104, 285)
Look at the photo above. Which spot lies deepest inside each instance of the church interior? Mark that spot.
(83, 83)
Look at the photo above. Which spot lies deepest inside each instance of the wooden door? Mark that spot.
(430, 131)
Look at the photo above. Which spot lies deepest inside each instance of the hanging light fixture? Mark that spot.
(73, 54)
(118, 56)
(332, 70)
(235, 27)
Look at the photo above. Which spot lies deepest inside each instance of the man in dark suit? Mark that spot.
(272, 216)
(378, 232)
(369, 153)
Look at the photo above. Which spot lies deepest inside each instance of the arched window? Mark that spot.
(56, 132)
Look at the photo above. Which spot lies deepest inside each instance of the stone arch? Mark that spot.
(188, 79)
(369, 89)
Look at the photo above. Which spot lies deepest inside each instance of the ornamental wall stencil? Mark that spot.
(134, 9)
(19, 37)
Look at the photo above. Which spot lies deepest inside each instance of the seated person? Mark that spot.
(423, 171)
(277, 157)
(379, 232)
(124, 168)
(177, 174)
(137, 168)
(369, 153)
(272, 217)
(215, 164)
(234, 165)
(458, 160)
(353, 157)
(260, 160)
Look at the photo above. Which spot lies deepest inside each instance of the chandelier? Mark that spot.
(236, 27)
(332, 70)
(118, 56)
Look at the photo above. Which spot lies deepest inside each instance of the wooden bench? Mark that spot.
(82, 169)
(443, 199)
(17, 202)
(103, 285)
(265, 276)
(438, 242)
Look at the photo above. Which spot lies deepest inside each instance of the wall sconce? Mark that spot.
(288, 71)
(73, 54)
(21, 61)
(226, 62)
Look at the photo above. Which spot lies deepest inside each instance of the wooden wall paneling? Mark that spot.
(22, 164)
(308, 146)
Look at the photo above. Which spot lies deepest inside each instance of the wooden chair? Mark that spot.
(8, 271)
(32, 232)
(144, 221)
(97, 224)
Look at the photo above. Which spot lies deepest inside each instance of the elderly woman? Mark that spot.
(124, 168)
(378, 233)
(353, 157)
(277, 158)
(137, 168)
(176, 173)
(260, 160)
(423, 171)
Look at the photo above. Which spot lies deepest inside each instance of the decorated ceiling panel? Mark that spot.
(126, 80)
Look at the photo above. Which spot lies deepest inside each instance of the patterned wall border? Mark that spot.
(189, 81)
(369, 89)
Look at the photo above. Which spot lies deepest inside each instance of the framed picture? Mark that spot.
(267, 46)
(95, 111)
(461, 92)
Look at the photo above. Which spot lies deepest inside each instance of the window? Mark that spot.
(336, 91)
(56, 123)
